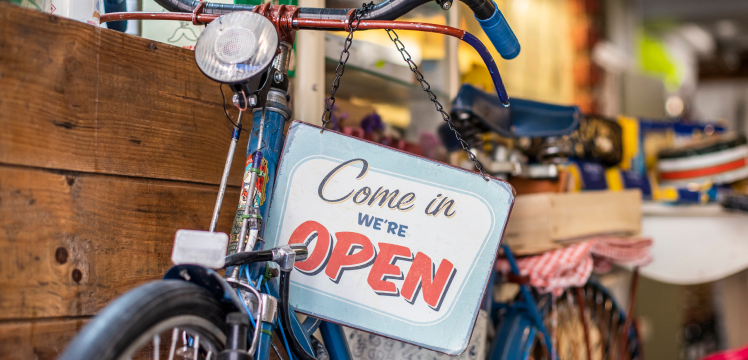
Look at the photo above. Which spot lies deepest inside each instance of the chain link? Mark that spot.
(344, 55)
(427, 88)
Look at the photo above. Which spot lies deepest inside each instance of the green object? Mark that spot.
(31, 4)
(655, 59)
(260, 2)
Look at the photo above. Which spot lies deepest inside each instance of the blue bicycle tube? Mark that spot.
(272, 145)
(251, 318)
(113, 6)
(280, 327)
(335, 342)
(490, 64)
(512, 337)
(531, 307)
(266, 337)
(501, 35)
(295, 324)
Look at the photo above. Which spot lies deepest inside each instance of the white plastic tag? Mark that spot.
(201, 248)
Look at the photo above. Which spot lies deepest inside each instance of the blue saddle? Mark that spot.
(523, 118)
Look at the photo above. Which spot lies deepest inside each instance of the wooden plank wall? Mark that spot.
(109, 143)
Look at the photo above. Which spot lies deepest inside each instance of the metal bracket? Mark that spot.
(287, 255)
(268, 308)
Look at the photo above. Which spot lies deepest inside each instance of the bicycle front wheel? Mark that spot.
(159, 320)
(599, 322)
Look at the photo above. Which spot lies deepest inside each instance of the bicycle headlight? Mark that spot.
(236, 47)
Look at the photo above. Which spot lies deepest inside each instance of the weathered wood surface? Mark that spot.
(108, 144)
(78, 97)
(37, 339)
(73, 242)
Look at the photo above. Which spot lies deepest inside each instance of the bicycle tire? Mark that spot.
(122, 324)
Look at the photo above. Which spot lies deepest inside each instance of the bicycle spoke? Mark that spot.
(174, 337)
(197, 347)
(156, 346)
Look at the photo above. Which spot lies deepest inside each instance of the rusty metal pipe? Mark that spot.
(342, 25)
(299, 24)
(624, 339)
(203, 18)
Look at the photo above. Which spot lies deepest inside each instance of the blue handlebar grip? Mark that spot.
(501, 35)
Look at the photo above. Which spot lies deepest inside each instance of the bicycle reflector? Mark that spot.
(236, 47)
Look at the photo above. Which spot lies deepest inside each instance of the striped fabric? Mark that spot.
(571, 266)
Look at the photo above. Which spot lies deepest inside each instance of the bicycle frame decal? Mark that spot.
(400, 245)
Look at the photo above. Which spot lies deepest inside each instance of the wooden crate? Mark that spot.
(544, 221)
(109, 143)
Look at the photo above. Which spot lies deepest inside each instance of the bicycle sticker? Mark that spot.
(399, 245)
(261, 184)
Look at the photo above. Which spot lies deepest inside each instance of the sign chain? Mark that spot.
(427, 88)
(344, 55)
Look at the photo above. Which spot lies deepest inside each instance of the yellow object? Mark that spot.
(575, 183)
(656, 59)
(479, 77)
(670, 193)
(613, 178)
(630, 140)
(653, 142)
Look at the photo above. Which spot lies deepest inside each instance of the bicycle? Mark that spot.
(211, 316)
(524, 323)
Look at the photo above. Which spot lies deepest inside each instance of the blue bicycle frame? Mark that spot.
(271, 144)
(522, 320)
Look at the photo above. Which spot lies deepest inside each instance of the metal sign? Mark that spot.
(399, 245)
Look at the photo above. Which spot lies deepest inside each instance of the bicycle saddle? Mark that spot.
(524, 118)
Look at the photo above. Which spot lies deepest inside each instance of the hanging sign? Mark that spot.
(399, 245)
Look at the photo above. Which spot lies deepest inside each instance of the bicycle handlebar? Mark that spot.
(386, 10)
(486, 12)
(497, 29)
(300, 23)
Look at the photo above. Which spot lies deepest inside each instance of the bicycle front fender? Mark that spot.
(209, 280)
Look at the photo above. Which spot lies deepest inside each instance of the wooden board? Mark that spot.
(73, 242)
(78, 97)
(545, 221)
(109, 143)
(38, 339)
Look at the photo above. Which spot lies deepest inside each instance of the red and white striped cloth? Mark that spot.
(571, 266)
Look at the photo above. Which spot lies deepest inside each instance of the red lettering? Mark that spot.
(421, 275)
(317, 259)
(384, 268)
(344, 255)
